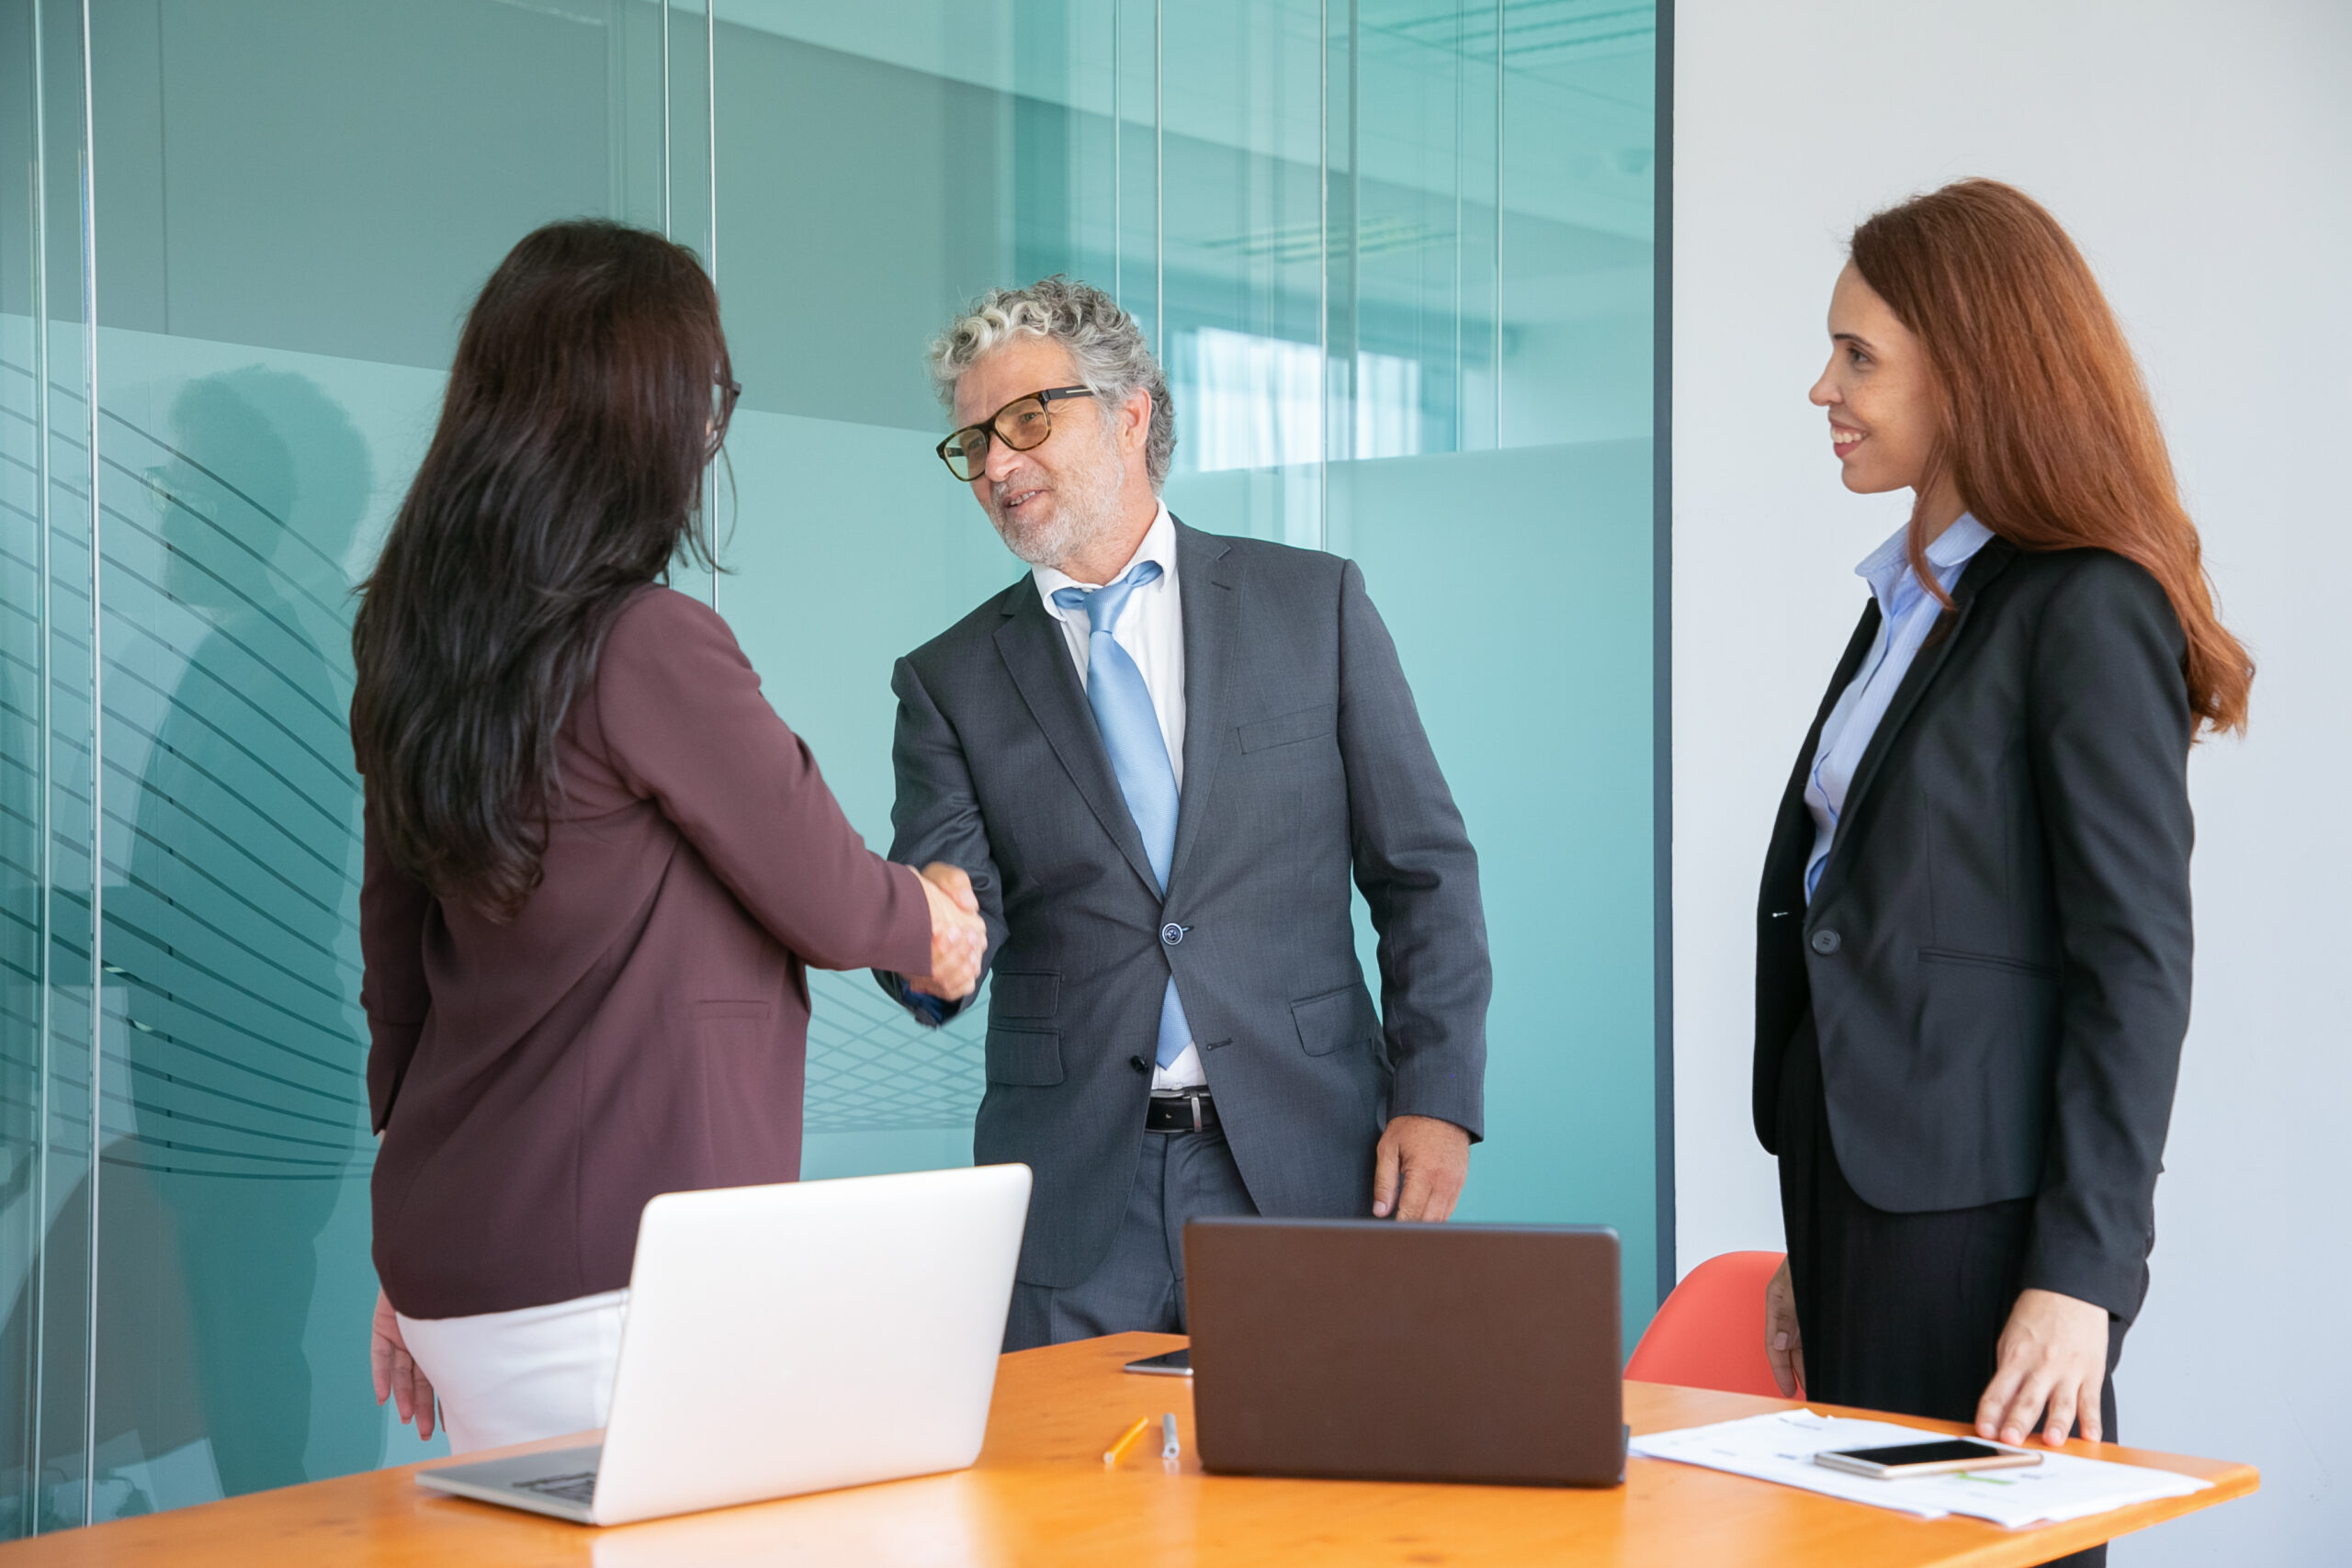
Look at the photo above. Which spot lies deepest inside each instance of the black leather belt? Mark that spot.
(1193, 1111)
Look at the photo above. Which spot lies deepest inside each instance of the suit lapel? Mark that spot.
(1205, 575)
(1030, 642)
(1989, 562)
(1793, 831)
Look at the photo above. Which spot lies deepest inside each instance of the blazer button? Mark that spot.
(1826, 941)
(1172, 933)
(1137, 1062)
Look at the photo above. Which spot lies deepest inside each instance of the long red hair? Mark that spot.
(2048, 433)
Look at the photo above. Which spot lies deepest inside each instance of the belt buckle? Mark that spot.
(1192, 1098)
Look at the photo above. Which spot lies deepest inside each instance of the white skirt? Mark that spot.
(516, 1377)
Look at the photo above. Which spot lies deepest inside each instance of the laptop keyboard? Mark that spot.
(580, 1488)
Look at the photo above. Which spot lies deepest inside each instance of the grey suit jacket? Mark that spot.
(1304, 762)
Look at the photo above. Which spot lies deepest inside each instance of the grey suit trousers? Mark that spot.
(1140, 1285)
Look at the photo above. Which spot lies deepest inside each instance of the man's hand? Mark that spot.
(396, 1375)
(1428, 1158)
(959, 939)
(2052, 1357)
(1783, 1344)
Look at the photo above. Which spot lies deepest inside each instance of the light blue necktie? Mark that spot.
(1130, 729)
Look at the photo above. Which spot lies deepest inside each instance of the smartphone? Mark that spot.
(1175, 1364)
(1938, 1457)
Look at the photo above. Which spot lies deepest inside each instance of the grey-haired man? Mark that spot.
(1162, 756)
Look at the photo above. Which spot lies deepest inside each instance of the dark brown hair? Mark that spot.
(2048, 433)
(591, 389)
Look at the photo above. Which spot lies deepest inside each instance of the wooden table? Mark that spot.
(1040, 1496)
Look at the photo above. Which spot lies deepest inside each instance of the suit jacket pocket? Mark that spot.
(1030, 1056)
(1307, 724)
(1338, 1018)
(1013, 993)
(729, 1024)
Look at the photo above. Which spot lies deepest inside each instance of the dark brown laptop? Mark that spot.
(1371, 1350)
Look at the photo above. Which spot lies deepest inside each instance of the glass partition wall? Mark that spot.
(1397, 255)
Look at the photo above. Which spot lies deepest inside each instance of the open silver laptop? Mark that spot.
(790, 1338)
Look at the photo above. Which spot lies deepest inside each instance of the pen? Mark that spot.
(1118, 1451)
(1168, 1448)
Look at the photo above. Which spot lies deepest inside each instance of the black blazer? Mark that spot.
(1997, 954)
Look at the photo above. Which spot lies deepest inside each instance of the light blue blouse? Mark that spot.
(1906, 611)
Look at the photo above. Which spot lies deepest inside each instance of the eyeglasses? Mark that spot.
(723, 395)
(174, 485)
(1021, 424)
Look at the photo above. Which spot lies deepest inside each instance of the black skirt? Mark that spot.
(1900, 1312)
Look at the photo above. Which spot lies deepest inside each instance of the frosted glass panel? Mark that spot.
(1397, 255)
(48, 676)
(1525, 633)
(1368, 352)
(282, 214)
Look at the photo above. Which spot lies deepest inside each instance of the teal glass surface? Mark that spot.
(49, 1027)
(1395, 253)
(1516, 568)
(280, 212)
(1402, 282)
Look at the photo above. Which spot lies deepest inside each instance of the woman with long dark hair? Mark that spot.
(596, 860)
(1973, 936)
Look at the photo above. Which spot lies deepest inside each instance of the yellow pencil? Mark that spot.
(1118, 1451)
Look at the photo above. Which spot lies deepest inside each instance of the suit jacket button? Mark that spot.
(1172, 933)
(1137, 1062)
(1826, 941)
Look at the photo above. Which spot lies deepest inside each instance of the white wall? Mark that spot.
(2201, 154)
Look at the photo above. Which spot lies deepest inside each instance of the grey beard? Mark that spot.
(1079, 521)
(1050, 546)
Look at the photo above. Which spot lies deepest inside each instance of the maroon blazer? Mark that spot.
(641, 1026)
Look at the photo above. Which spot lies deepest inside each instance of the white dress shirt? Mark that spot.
(1151, 628)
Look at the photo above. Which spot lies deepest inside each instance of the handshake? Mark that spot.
(959, 939)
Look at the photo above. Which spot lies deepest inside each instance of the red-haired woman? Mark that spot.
(1973, 936)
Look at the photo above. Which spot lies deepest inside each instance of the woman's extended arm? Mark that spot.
(684, 723)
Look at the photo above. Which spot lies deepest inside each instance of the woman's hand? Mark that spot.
(2052, 1356)
(396, 1374)
(959, 939)
(1783, 1345)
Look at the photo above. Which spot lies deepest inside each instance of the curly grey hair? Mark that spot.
(1104, 340)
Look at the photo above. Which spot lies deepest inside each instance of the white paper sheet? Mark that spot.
(1779, 1447)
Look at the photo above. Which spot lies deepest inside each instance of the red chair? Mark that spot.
(1710, 1332)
